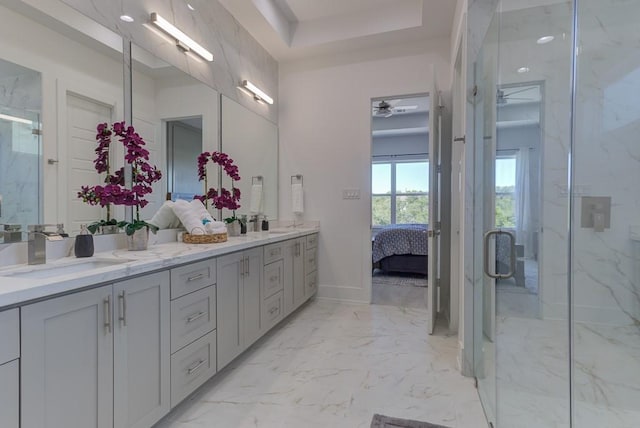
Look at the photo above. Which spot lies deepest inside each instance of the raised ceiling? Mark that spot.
(295, 29)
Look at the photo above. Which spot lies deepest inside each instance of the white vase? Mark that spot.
(110, 229)
(139, 240)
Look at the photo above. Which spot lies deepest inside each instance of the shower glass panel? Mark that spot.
(606, 216)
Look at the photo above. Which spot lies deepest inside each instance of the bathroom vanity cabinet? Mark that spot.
(238, 303)
(9, 368)
(124, 352)
(98, 357)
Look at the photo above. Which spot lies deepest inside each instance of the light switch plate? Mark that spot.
(350, 193)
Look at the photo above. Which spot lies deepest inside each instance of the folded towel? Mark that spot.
(297, 198)
(199, 208)
(188, 216)
(256, 199)
(165, 218)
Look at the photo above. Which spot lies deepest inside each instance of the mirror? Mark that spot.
(252, 142)
(64, 82)
(177, 116)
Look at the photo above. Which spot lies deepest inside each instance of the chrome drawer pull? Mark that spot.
(192, 318)
(273, 310)
(195, 277)
(273, 278)
(196, 367)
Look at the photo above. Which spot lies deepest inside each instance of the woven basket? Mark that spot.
(215, 238)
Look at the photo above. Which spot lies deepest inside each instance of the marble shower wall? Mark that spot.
(237, 55)
(607, 161)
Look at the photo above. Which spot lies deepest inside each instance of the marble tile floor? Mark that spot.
(402, 296)
(335, 365)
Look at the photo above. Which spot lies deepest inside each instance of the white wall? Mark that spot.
(325, 135)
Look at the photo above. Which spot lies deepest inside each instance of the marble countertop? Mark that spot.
(120, 264)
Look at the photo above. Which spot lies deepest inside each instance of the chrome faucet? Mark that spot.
(37, 244)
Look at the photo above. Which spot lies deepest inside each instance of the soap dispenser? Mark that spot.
(84, 243)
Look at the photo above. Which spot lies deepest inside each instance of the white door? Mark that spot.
(83, 115)
(141, 351)
(229, 307)
(434, 205)
(67, 361)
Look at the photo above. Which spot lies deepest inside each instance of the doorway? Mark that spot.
(400, 200)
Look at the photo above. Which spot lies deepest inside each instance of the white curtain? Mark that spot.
(524, 229)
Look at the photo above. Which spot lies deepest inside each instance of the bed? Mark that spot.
(401, 248)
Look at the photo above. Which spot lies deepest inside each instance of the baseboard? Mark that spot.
(344, 294)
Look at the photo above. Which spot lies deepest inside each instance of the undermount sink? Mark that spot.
(52, 270)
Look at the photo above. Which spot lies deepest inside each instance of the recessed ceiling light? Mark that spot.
(524, 70)
(190, 7)
(126, 18)
(545, 39)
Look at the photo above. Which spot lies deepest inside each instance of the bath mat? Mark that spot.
(381, 421)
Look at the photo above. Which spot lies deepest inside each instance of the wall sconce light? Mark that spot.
(258, 94)
(183, 41)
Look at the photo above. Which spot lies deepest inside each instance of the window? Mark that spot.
(400, 192)
(505, 191)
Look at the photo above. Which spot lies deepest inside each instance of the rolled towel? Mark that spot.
(256, 199)
(188, 216)
(165, 217)
(199, 208)
(297, 198)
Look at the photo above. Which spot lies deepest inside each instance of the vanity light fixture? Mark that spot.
(522, 70)
(258, 94)
(16, 119)
(183, 41)
(126, 18)
(545, 39)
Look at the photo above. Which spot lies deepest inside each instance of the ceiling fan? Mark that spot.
(504, 97)
(385, 109)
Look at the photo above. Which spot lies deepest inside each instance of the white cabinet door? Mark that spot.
(252, 295)
(141, 351)
(9, 395)
(290, 250)
(228, 307)
(299, 295)
(67, 361)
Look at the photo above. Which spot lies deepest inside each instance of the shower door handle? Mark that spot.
(512, 252)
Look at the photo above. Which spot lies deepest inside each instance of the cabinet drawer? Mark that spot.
(193, 277)
(312, 241)
(273, 279)
(192, 316)
(273, 252)
(311, 284)
(192, 366)
(272, 310)
(310, 260)
(9, 335)
(9, 396)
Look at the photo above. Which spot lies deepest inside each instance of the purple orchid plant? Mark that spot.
(221, 198)
(114, 190)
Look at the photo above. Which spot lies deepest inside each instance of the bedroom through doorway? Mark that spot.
(399, 200)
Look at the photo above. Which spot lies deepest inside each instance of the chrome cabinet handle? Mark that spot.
(241, 267)
(196, 367)
(195, 277)
(273, 310)
(106, 306)
(246, 260)
(122, 300)
(512, 267)
(197, 316)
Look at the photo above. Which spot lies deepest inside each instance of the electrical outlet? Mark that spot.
(351, 194)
